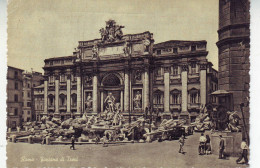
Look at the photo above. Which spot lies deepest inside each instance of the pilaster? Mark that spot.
(203, 84)
(45, 95)
(126, 90)
(167, 89)
(184, 83)
(68, 92)
(57, 83)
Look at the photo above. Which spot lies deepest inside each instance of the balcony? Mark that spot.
(194, 106)
(159, 107)
(51, 88)
(73, 107)
(62, 107)
(175, 107)
(51, 107)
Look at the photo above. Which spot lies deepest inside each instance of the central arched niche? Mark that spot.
(111, 80)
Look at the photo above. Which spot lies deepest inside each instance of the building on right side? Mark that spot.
(234, 48)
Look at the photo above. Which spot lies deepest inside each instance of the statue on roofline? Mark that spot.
(111, 32)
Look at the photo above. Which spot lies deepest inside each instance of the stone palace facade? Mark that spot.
(173, 77)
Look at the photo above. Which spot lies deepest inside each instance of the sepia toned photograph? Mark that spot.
(128, 84)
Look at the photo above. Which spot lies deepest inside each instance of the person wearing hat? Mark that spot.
(221, 147)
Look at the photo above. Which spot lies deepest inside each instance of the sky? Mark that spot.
(43, 29)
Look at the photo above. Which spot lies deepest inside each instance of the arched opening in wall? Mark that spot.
(111, 95)
(111, 80)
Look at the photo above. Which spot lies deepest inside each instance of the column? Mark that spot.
(122, 100)
(126, 90)
(184, 90)
(57, 82)
(102, 101)
(146, 87)
(95, 94)
(78, 94)
(68, 93)
(167, 89)
(46, 95)
(203, 84)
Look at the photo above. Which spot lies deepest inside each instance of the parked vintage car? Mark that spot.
(176, 132)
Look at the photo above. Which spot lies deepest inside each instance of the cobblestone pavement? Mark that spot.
(156, 154)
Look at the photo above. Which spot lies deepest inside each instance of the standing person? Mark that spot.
(244, 153)
(221, 147)
(208, 146)
(72, 142)
(181, 142)
(202, 144)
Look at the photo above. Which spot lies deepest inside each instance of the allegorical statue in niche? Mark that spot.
(110, 102)
(95, 51)
(138, 100)
(89, 101)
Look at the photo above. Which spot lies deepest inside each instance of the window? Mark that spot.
(28, 85)
(51, 99)
(16, 86)
(28, 112)
(41, 107)
(193, 68)
(74, 100)
(174, 98)
(28, 119)
(22, 112)
(16, 98)
(175, 70)
(16, 111)
(28, 104)
(193, 48)
(175, 50)
(159, 52)
(62, 100)
(22, 93)
(158, 98)
(29, 94)
(33, 85)
(15, 74)
(62, 61)
(194, 97)
(13, 124)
